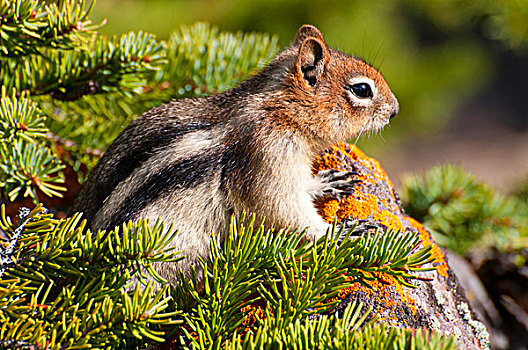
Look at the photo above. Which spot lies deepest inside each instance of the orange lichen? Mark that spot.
(252, 313)
(372, 164)
(328, 209)
(387, 296)
(361, 204)
(427, 239)
(330, 161)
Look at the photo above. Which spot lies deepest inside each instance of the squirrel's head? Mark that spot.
(336, 96)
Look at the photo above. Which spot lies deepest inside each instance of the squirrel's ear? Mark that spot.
(311, 60)
(307, 31)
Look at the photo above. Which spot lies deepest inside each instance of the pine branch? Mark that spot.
(28, 25)
(26, 163)
(26, 167)
(82, 253)
(50, 50)
(344, 333)
(205, 61)
(65, 287)
(104, 65)
(20, 118)
(5, 253)
(292, 280)
(96, 318)
(463, 212)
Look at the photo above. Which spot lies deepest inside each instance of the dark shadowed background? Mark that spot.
(458, 68)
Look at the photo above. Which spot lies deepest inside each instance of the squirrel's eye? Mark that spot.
(361, 90)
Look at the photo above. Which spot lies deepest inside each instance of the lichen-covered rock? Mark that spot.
(437, 302)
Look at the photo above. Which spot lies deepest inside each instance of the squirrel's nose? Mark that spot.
(396, 110)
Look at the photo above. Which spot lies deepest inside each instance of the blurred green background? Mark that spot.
(458, 68)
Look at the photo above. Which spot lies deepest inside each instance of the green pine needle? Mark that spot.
(463, 213)
(203, 60)
(102, 65)
(28, 25)
(64, 287)
(294, 278)
(344, 333)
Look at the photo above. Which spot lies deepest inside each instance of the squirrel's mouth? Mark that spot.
(377, 122)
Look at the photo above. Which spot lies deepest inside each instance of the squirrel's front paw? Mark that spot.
(335, 183)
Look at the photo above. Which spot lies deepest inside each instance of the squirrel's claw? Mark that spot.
(335, 183)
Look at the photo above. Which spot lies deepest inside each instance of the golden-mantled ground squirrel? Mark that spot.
(196, 161)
